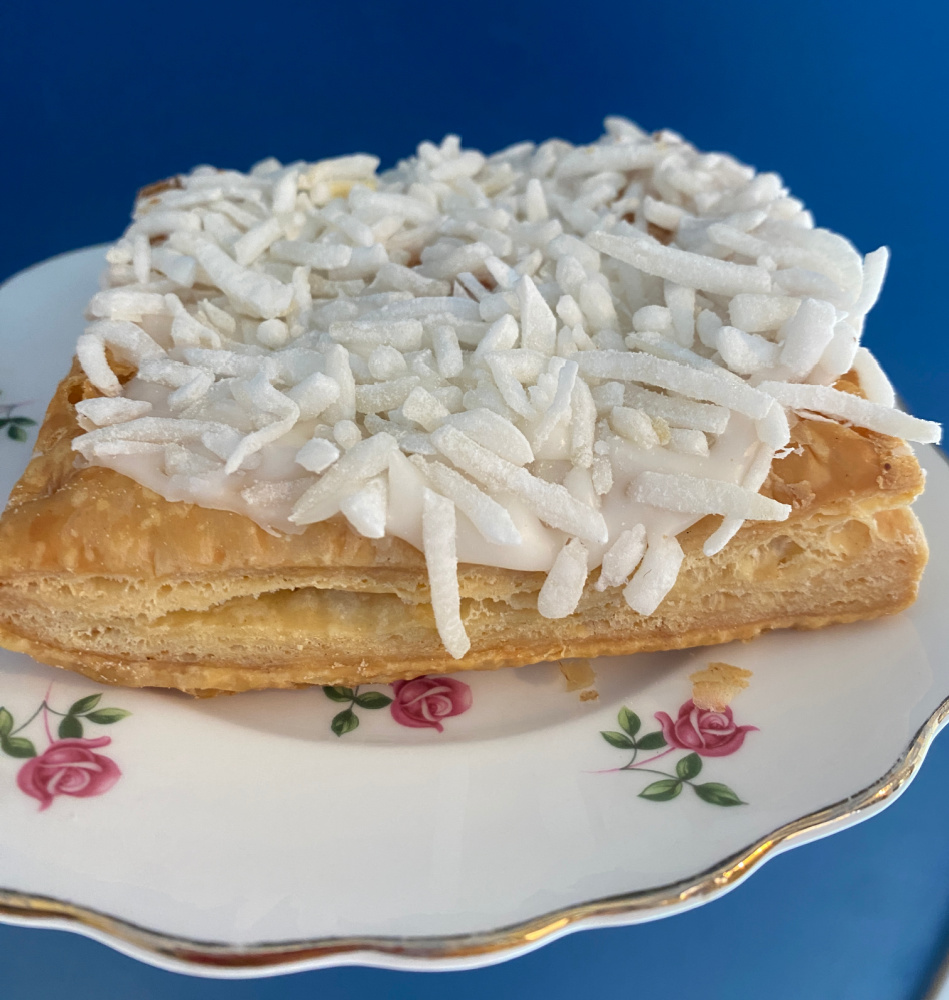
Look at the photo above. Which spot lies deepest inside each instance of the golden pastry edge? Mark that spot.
(102, 576)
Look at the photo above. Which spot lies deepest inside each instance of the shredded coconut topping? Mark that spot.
(581, 350)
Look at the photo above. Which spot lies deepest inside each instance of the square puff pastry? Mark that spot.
(101, 575)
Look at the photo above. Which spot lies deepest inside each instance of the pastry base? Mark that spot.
(102, 576)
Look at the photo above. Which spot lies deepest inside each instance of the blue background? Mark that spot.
(845, 98)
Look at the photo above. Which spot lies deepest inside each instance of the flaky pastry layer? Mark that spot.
(101, 575)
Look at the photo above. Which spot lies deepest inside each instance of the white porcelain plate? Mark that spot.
(461, 822)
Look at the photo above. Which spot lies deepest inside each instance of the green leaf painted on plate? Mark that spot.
(16, 433)
(6, 722)
(345, 722)
(337, 692)
(651, 741)
(17, 746)
(85, 704)
(717, 794)
(662, 791)
(22, 421)
(689, 766)
(629, 721)
(618, 740)
(106, 716)
(70, 728)
(373, 699)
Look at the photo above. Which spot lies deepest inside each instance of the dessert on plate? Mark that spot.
(328, 425)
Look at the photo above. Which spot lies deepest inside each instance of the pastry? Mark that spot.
(329, 426)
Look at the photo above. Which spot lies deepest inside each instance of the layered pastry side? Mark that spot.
(333, 426)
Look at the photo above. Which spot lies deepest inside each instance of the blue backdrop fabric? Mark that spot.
(844, 98)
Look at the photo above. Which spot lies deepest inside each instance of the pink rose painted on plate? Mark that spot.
(69, 765)
(421, 703)
(707, 732)
(703, 732)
